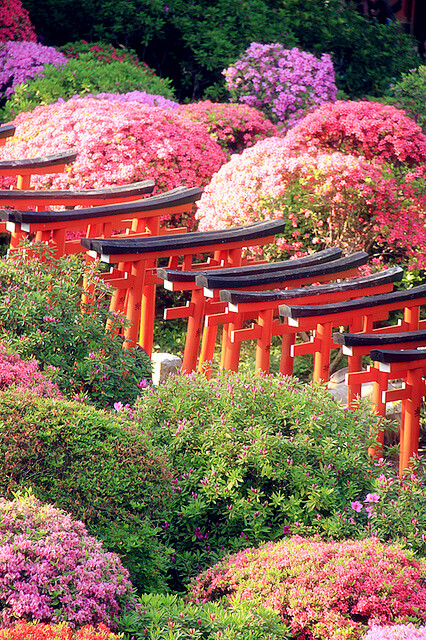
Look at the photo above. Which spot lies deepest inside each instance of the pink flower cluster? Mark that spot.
(24, 376)
(30, 631)
(284, 83)
(371, 129)
(20, 61)
(15, 22)
(117, 143)
(327, 199)
(323, 590)
(233, 126)
(397, 632)
(52, 571)
(322, 178)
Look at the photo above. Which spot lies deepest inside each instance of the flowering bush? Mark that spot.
(34, 631)
(15, 22)
(326, 199)
(398, 510)
(409, 93)
(372, 129)
(233, 126)
(284, 83)
(397, 632)
(40, 317)
(93, 465)
(322, 590)
(254, 459)
(20, 61)
(81, 76)
(137, 96)
(52, 571)
(117, 143)
(101, 51)
(24, 376)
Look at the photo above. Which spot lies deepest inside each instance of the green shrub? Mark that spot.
(192, 42)
(100, 51)
(367, 56)
(94, 465)
(399, 514)
(167, 616)
(189, 41)
(254, 459)
(81, 76)
(41, 317)
(410, 94)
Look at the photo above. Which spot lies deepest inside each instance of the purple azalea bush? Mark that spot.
(397, 632)
(21, 61)
(284, 83)
(149, 99)
(51, 570)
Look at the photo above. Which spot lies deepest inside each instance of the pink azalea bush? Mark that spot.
(326, 199)
(20, 61)
(117, 143)
(15, 22)
(52, 571)
(284, 83)
(233, 126)
(397, 632)
(323, 590)
(30, 631)
(24, 376)
(370, 129)
(150, 99)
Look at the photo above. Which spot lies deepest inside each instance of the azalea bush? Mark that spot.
(233, 126)
(101, 51)
(117, 143)
(371, 129)
(15, 22)
(21, 61)
(36, 631)
(150, 99)
(254, 459)
(96, 466)
(396, 632)
(24, 376)
(41, 317)
(83, 75)
(409, 93)
(322, 590)
(284, 83)
(397, 511)
(51, 570)
(168, 616)
(326, 199)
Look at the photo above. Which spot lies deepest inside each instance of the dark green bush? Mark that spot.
(167, 616)
(189, 41)
(367, 56)
(94, 465)
(41, 317)
(254, 459)
(192, 42)
(81, 76)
